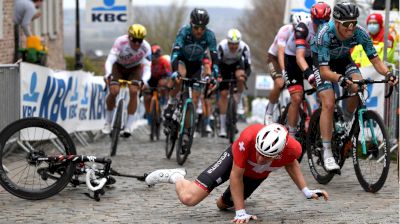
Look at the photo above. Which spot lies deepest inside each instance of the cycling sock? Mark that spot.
(292, 131)
(326, 145)
(270, 108)
(131, 119)
(109, 114)
(206, 121)
(223, 120)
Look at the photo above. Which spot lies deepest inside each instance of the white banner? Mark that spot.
(264, 82)
(107, 11)
(376, 100)
(75, 100)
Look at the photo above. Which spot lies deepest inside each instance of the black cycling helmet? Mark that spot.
(345, 11)
(199, 17)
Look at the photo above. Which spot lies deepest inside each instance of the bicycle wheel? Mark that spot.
(21, 172)
(372, 167)
(231, 119)
(314, 151)
(185, 139)
(116, 129)
(301, 135)
(276, 112)
(170, 140)
(154, 118)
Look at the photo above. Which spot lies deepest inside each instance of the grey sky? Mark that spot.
(203, 3)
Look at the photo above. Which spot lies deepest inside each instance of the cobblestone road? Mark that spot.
(130, 201)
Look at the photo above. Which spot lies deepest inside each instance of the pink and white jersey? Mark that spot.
(280, 39)
(128, 57)
(304, 30)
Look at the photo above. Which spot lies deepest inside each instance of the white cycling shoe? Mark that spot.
(165, 176)
(330, 164)
(106, 129)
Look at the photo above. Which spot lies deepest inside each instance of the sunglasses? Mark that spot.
(135, 40)
(198, 27)
(350, 24)
(320, 21)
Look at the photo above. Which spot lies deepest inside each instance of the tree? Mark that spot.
(259, 26)
(162, 24)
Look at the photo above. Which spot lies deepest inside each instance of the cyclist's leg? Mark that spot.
(294, 84)
(135, 73)
(352, 71)
(110, 99)
(279, 83)
(153, 82)
(191, 193)
(326, 95)
(175, 86)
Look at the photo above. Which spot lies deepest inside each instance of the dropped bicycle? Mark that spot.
(38, 159)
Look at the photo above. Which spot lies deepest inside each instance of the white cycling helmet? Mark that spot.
(271, 140)
(234, 36)
(300, 17)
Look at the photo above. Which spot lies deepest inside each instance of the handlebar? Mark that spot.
(368, 81)
(90, 176)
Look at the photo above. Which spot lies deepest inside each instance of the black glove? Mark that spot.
(391, 77)
(343, 81)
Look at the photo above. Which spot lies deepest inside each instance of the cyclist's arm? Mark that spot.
(379, 66)
(293, 169)
(176, 49)
(247, 60)
(281, 57)
(237, 187)
(212, 47)
(111, 59)
(328, 74)
(146, 71)
(301, 33)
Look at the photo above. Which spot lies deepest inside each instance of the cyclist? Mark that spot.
(234, 58)
(125, 61)
(188, 53)
(298, 61)
(331, 53)
(246, 163)
(160, 70)
(276, 63)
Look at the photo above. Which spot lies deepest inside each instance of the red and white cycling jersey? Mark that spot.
(244, 153)
(281, 38)
(128, 57)
(303, 33)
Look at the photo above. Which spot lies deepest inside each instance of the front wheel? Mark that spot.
(315, 151)
(372, 166)
(116, 129)
(24, 145)
(186, 132)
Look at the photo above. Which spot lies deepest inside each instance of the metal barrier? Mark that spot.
(10, 94)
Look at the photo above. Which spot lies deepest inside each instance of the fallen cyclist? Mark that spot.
(246, 163)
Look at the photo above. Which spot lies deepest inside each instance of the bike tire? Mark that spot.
(301, 135)
(170, 142)
(183, 148)
(153, 127)
(314, 150)
(231, 120)
(374, 153)
(18, 135)
(116, 129)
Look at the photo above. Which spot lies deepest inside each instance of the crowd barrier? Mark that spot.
(73, 99)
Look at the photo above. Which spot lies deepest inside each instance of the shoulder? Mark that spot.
(292, 148)
(122, 40)
(184, 30)
(223, 43)
(244, 46)
(361, 32)
(252, 130)
(285, 28)
(209, 34)
(146, 46)
(323, 33)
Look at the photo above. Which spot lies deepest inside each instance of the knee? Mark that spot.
(279, 83)
(296, 99)
(328, 105)
(188, 200)
(223, 95)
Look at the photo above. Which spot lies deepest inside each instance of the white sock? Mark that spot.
(270, 108)
(292, 131)
(223, 120)
(176, 176)
(326, 145)
(131, 119)
(109, 115)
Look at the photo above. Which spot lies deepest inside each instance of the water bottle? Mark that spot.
(176, 115)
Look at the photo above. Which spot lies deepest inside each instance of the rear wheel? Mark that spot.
(372, 167)
(22, 143)
(116, 129)
(185, 139)
(154, 122)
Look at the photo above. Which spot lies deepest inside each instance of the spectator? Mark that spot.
(25, 11)
(376, 31)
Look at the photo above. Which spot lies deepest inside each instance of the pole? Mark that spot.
(386, 33)
(78, 54)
